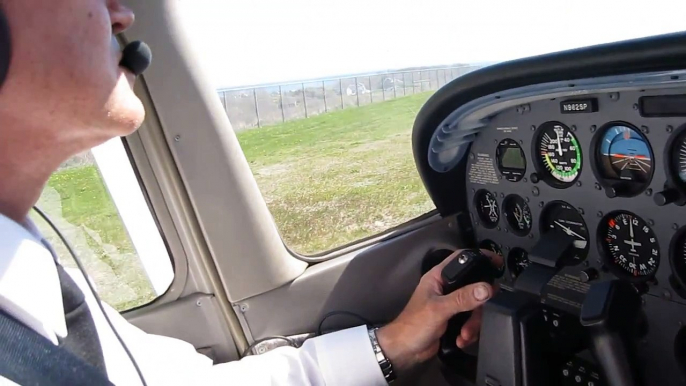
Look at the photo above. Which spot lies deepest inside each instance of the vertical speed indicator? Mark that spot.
(557, 154)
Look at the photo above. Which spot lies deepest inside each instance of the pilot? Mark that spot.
(65, 92)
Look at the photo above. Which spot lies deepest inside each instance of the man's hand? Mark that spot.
(413, 336)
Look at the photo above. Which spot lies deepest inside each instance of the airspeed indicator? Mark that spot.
(558, 154)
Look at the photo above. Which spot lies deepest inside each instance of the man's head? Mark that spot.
(64, 84)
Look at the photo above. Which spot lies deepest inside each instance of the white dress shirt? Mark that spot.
(30, 292)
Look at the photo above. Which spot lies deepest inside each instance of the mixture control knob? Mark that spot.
(588, 274)
(666, 196)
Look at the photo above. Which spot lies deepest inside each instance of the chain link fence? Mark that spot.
(268, 105)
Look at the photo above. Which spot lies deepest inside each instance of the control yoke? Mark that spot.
(519, 347)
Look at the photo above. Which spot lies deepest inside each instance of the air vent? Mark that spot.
(449, 143)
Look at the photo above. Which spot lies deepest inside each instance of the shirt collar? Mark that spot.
(29, 285)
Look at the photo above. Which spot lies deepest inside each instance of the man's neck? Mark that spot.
(26, 163)
(20, 190)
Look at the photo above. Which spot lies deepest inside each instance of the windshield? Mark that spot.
(323, 94)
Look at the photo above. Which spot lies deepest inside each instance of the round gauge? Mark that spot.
(678, 158)
(559, 216)
(492, 246)
(677, 257)
(557, 154)
(511, 160)
(629, 246)
(487, 208)
(624, 159)
(676, 153)
(518, 214)
(517, 261)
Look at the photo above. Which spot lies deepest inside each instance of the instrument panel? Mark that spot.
(607, 170)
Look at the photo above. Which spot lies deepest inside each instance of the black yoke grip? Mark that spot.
(468, 267)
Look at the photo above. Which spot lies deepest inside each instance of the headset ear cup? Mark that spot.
(5, 47)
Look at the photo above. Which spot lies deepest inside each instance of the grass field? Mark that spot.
(328, 181)
(77, 200)
(341, 176)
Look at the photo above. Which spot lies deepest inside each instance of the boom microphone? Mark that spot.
(136, 57)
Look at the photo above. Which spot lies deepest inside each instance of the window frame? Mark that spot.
(130, 201)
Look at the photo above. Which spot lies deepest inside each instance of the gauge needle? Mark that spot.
(631, 230)
(518, 214)
(559, 143)
(569, 231)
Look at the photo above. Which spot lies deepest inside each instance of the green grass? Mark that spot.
(78, 201)
(335, 178)
(85, 201)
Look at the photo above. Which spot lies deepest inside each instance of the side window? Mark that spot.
(96, 202)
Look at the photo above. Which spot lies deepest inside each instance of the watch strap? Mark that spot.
(384, 363)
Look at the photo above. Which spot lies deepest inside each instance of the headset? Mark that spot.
(136, 57)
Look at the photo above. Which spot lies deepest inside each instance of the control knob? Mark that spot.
(666, 196)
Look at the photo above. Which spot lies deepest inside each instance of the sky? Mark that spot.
(248, 42)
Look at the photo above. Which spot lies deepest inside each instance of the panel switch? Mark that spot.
(588, 274)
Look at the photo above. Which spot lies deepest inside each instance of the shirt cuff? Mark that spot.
(347, 358)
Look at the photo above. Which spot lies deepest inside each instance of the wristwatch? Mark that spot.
(384, 363)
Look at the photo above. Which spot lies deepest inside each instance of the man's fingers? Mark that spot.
(435, 272)
(496, 259)
(470, 330)
(466, 298)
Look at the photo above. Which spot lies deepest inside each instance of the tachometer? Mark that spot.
(557, 154)
(559, 216)
(487, 208)
(629, 246)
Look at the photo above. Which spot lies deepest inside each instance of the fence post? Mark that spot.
(302, 86)
(395, 92)
(371, 90)
(412, 82)
(340, 88)
(357, 92)
(283, 115)
(257, 110)
(326, 109)
(383, 90)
